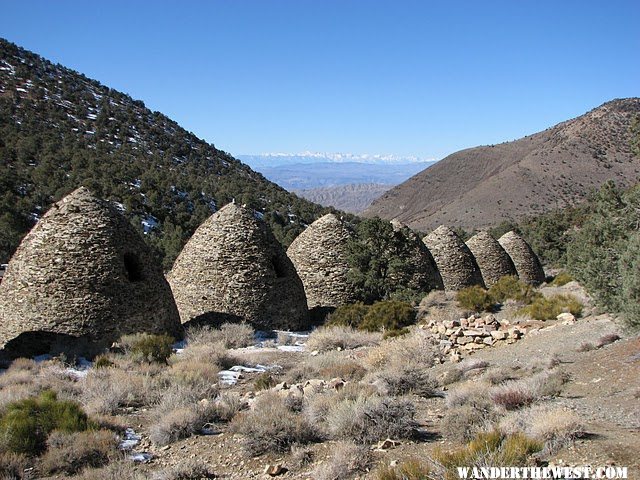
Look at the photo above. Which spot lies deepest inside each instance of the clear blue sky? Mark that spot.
(395, 77)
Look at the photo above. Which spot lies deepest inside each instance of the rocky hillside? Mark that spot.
(60, 129)
(483, 186)
(352, 198)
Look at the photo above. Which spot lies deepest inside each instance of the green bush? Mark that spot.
(388, 315)
(26, 424)
(549, 308)
(147, 347)
(102, 361)
(509, 287)
(412, 469)
(629, 267)
(475, 298)
(350, 315)
(562, 279)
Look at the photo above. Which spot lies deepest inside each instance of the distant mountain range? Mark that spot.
(279, 159)
(483, 186)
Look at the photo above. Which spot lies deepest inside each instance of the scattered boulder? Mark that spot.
(319, 255)
(80, 279)
(233, 269)
(492, 259)
(524, 258)
(455, 262)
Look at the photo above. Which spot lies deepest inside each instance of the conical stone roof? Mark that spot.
(81, 278)
(426, 276)
(524, 258)
(319, 255)
(455, 261)
(493, 261)
(234, 269)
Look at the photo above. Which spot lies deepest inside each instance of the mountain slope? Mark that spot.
(352, 198)
(484, 185)
(59, 130)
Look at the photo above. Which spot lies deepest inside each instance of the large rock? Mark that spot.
(233, 269)
(525, 260)
(492, 259)
(455, 261)
(319, 255)
(80, 279)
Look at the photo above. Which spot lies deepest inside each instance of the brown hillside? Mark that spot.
(482, 186)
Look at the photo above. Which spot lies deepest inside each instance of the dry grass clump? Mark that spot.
(499, 375)
(264, 381)
(356, 413)
(450, 375)
(147, 347)
(489, 449)
(186, 470)
(470, 393)
(401, 378)
(417, 345)
(341, 337)
(554, 426)
(301, 456)
(511, 288)
(226, 406)
(190, 371)
(412, 469)
(327, 366)
(475, 299)
(347, 460)
(585, 347)
(179, 423)
(231, 335)
(607, 339)
(543, 364)
(106, 390)
(70, 453)
(520, 393)
(14, 393)
(561, 279)
(211, 353)
(270, 426)
(13, 466)
(472, 364)
(469, 410)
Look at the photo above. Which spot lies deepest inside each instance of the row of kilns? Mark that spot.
(83, 276)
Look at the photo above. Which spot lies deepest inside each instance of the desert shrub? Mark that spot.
(549, 308)
(489, 449)
(327, 366)
(520, 393)
(347, 460)
(451, 375)
(301, 456)
(469, 393)
(513, 396)
(271, 427)
(561, 279)
(173, 396)
(350, 315)
(13, 466)
(344, 337)
(179, 423)
(231, 335)
(226, 406)
(585, 347)
(472, 364)
(388, 315)
(20, 372)
(370, 418)
(412, 469)
(185, 470)
(119, 470)
(70, 453)
(105, 390)
(539, 364)
(400, 378)
(146, 347)
(607, 339)
(26, 424)
(213, 353)
(102, 361)
(497, 376)
(510, 287)
(417, 345)
(462, 423)
(475, 299)
(194, 371)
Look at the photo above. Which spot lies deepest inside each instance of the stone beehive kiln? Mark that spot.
(525, 260)
(493, 261)
(455, 261)
(83, 274)
(319, 255)
(426, 276)
(234, 269)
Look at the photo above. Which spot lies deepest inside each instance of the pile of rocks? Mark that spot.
(466, 335)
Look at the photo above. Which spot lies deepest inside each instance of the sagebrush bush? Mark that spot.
(403, 377)
(102, 361)
(264, 381)
(120, 470)
(146, 347)
(510, 287)
(462, 423)
(347, 460)
(475, 299)
(554, 426)
(185, 470)
(417, 345)
(26, 424)
(327, 366)
(70, 453)
(388, 316)
(350, 315)
(344, 337)
(520, 393)
(105, 390)
(231, 335)
(182, 422)
(271, 427)
(543, 308)
(13, 466)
